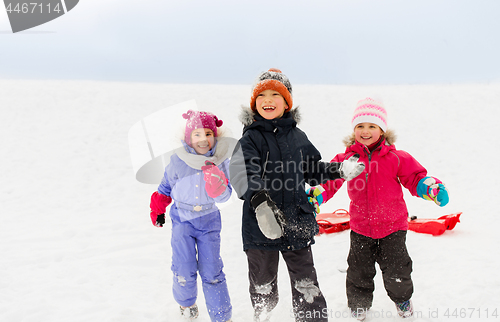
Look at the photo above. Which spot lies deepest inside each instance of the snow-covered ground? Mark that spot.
(77, 243)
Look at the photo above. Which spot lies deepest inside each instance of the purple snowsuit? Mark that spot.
(196, 226)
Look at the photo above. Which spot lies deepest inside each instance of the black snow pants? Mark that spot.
(307, 300)
(395, 263)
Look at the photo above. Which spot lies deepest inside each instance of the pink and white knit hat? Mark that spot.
(369, 110)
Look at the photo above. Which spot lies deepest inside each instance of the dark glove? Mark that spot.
(158, 205)
(158, 220)
(270, 218)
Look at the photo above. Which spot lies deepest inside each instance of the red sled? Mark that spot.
(435, 227)
(333, 222)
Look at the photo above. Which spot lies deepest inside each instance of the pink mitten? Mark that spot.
(158, 207)
(216, 181)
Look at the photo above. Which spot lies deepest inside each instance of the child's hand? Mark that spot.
(270, 218)
(431, 188)
(216, 181)
(315, 197)
(157, 219)
(158, 205)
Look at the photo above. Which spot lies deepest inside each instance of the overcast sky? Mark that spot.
(231, 41)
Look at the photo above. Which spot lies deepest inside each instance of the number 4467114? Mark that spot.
(33, 7)
(471, 313)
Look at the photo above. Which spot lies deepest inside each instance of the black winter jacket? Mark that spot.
(277, 156)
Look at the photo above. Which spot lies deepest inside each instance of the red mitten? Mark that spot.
(216, 181)
(158, 207)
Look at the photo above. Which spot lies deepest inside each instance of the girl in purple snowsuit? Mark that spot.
(195, 179)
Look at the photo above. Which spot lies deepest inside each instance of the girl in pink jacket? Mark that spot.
(379, 217)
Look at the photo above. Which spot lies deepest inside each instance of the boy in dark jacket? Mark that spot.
(269, 168)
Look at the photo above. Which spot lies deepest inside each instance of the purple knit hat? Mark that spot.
(200, 120)
(369, 110)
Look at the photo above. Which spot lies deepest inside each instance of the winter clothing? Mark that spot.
(158, 205)
(377, 206)
(270, 218)
(199, 237)
(196, 225)
(276, 156)
(185, 185)
(200, 120)
(190, 313)
(274, 80)
(269, 168)
(215, 180)
(431, 188)
(378, 213)
(308, 302)
(315, 196)
(405, 309)
(369, 110)
(395, 263)
(350, 168)
(158, 220)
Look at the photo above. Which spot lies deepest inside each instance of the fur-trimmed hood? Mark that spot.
(389, 136)
(247, 116)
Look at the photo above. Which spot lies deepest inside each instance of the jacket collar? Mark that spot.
(383, 148)
(250, 120)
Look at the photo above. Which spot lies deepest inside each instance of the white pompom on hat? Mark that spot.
(369, 110)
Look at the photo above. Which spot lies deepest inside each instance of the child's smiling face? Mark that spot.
(270, 104)
(202, 140)
(367, 133)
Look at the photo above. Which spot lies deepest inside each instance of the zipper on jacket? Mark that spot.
(369, 160)
(265, 166)
(367, 196)
(367, 193)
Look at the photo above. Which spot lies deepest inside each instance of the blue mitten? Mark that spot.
(431, 188)
(316, 196)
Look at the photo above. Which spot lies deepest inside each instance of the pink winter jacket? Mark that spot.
(377, 206)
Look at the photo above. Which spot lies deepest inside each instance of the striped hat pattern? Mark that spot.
(275, 80)
(369, 110)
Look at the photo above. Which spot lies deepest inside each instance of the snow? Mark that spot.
(78, 244)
